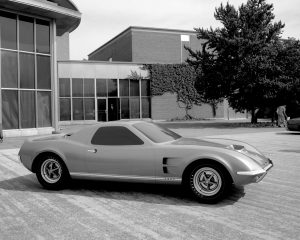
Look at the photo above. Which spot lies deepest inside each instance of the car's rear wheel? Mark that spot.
(208, 182)
(52, 173)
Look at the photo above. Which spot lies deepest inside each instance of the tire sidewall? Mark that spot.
(61, 183)
(198, 195)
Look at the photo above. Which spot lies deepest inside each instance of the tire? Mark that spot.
(208, 183)
(52, 173)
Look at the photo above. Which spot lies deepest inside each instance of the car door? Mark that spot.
(117, 151)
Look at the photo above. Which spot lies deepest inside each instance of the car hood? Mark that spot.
(230, 144)
(294, 121)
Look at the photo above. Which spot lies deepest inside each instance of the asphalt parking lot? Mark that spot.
(103, 210)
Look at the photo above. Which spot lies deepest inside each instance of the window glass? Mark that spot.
(77, 108)
(112, 87)
(43, 72)
(26, 36)
(27, 70)
(145, 87)
(89, 89)
(89, 109)
(146, 107)
(42, 36)
(9, 69)
(77, 87)
(124, 87)
(115, 136)
(10, 112)
(156, 133)
(65, 109)
(124, 108)
(134, 107)
(27, 109)
(64, 87)
(134, 88)
(101, 88)
(44, 109)
(8, 30)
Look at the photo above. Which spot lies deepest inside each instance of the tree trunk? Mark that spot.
(214, 109)
(187, 115)
(254, 115)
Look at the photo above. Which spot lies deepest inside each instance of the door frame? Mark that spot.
(106, 106)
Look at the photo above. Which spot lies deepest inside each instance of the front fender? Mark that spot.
(232, 161)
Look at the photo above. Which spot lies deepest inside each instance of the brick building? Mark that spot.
(42, 89)
(156, 45)
(147, 45)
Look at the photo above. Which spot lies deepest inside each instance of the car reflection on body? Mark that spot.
(293, 124)
(140, 151)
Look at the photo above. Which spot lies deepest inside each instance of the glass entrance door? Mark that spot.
(102, 109)
(113, 109)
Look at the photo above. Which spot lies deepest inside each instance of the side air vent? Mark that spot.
(165, 162)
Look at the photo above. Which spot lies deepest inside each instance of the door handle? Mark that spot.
(92, 150)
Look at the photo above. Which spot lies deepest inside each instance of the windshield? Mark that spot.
(156, 133)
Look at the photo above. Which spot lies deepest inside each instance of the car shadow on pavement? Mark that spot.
(150, 193)
(288, 133)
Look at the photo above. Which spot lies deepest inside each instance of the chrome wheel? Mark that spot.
(207, 181)
(51, 171)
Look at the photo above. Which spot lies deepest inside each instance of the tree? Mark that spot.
(240, 56)
(288, 75)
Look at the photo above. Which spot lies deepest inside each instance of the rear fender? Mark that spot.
(44, 152)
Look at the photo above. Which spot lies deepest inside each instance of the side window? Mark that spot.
(115, 136)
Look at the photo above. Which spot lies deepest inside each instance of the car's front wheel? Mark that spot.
(208, 182)
(52, 173)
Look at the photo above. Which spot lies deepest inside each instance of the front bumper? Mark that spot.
(256, 175)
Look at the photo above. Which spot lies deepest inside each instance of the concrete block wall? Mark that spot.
(63, 47)
(161, 47)
(166, 107)
(118, 50)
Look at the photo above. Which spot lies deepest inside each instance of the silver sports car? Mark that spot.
(140, 151)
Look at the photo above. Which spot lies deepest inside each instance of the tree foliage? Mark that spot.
(239, 61)
(175, 78)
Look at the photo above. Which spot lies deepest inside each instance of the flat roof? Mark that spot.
(143, 29)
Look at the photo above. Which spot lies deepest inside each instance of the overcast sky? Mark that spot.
(102, 20)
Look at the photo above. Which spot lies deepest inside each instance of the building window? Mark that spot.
(78, 104)
(65, 109)
(116, 99)
(101, 88)
(44, 109)
(10, 109)
(42, 36)
(26, 34)
(43, 72)
(8, 30)
(145, 98)
(25, 71)
(112, 87)
(9, 69)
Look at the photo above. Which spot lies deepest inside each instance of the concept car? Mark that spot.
(140, 151)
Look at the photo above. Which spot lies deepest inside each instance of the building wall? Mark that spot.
(165, 107)
(119, 50)
(153, 47)
(62, 47)
(161, 47)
